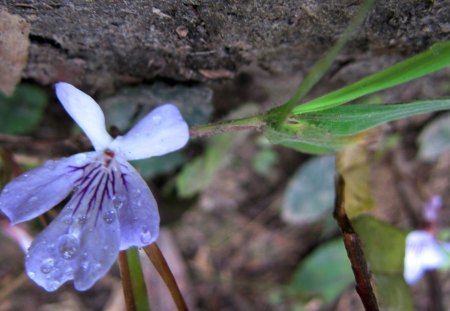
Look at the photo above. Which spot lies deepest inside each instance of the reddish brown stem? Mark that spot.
(157, 258)
(355, 251)
(126, 282)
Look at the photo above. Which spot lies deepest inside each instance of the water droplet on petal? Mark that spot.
(85, 265)
(69, 272)
(146, 235)
(47, 265)
(50, 248)
(68, 246)
(117, 202)
(109, 216)
(31, 274)
(82, 220)
(67, 220)
(33, 199)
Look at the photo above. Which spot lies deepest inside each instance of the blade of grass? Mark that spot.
(279, 114)
(157, 258)
(138, 283)
(436, 58)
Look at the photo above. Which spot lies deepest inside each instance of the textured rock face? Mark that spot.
(109, 43)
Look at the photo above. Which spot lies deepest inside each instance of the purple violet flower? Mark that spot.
(111, 207)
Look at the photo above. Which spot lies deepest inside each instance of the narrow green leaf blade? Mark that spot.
(352, 119)
(309, 138)
(436, 58)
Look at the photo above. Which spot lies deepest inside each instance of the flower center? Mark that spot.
(97, 191)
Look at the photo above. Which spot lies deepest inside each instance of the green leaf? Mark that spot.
(436, 58)
(384, 250)
(198, 174)
(152, 167)
(352, 119)
(434, 139)
(310, 194)
(22, 112)
(264, 160)
(353, 164)
(309, 138)
(325, 273)
(383, 244)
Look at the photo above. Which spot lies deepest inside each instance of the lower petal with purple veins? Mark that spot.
(82, 243)
(138, 214)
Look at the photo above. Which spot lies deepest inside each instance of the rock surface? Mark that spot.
(102, 45)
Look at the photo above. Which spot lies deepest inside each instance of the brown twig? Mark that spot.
(126, 282)
(157, 258)
(354, 249)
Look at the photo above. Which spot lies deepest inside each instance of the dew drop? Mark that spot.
(117, 202)
(85, 265)
(82, 220)
(33, 199)
(68, 246)
(109, 216)
(67, 220)
(146, 235)
(31, 274)
(50, 248)
(47, 265)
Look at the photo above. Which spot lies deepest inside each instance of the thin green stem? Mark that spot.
(254, 122)
(138, 282)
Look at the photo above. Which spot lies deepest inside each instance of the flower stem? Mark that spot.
(255, 122)
(157, 258)
(126, 282)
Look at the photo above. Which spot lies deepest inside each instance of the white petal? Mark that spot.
(138, 212)
(86, 113)
(422, 253)
(40, 189)
(162, 131)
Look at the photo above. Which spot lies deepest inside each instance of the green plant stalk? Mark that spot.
(279, 114)
(137, 280)
(248, 123)
(436, 58)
